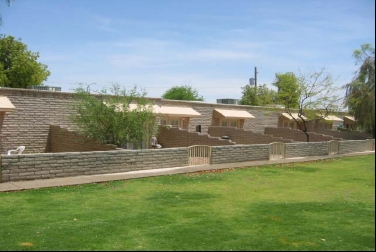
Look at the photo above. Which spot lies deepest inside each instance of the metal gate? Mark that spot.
(333, 147)
(277, 150)
(199, 154)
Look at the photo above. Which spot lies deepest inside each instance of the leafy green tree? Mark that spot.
(108, 117)
(186, 93)
(18, 66)
(360, 92)
(288, 89)
(317, 99)
(258, 96)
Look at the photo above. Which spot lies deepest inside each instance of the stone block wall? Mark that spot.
(306, 149)
(68, 164)
(63, 140)
(241, 136)
(352, 146)
(239, 153)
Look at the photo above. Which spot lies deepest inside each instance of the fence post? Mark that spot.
(370, 144)
(333, 147)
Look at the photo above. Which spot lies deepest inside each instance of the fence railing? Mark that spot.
(199, 154)
(277, 150)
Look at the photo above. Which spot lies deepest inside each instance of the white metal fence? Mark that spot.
(277, 150)
(199, 154)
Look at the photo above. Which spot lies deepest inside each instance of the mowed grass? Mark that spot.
(321, 205)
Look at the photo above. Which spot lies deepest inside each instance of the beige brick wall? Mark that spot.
(241, 136)
(29, 124)
(351, 135)
(297, 135)
(63, 140)
(174, 137)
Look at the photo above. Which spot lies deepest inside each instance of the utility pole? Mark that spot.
(255, 77)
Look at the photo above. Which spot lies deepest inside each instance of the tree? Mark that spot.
(257, 96)
(288, 88)
(360, 92)
(108, 117)
(18, 66)
(186, 93)
(8, 2)
(316, 99)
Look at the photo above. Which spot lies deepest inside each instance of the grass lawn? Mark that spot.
(321, 205)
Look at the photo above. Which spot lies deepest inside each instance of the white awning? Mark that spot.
(178, 111)
(351, 118)
(239, 114)
(6, 105)
(332, 118)
(293, 115)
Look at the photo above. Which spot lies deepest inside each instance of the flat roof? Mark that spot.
(6, 105)
(239, 114)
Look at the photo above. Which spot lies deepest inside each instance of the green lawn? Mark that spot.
(323, 205)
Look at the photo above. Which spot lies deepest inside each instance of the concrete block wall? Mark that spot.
(63, 140)
(175, 137)
(29, 124)
(239, 153)
(297, 135)
(353, 146)
(241, 136)
(306, 149)
(68, 164)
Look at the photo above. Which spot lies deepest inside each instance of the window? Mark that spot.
(233, 123)
(224, 123)
(174, 122)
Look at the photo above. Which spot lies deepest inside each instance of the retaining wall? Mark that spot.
(67, 164)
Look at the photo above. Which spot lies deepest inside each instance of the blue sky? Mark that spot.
(211, 45)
